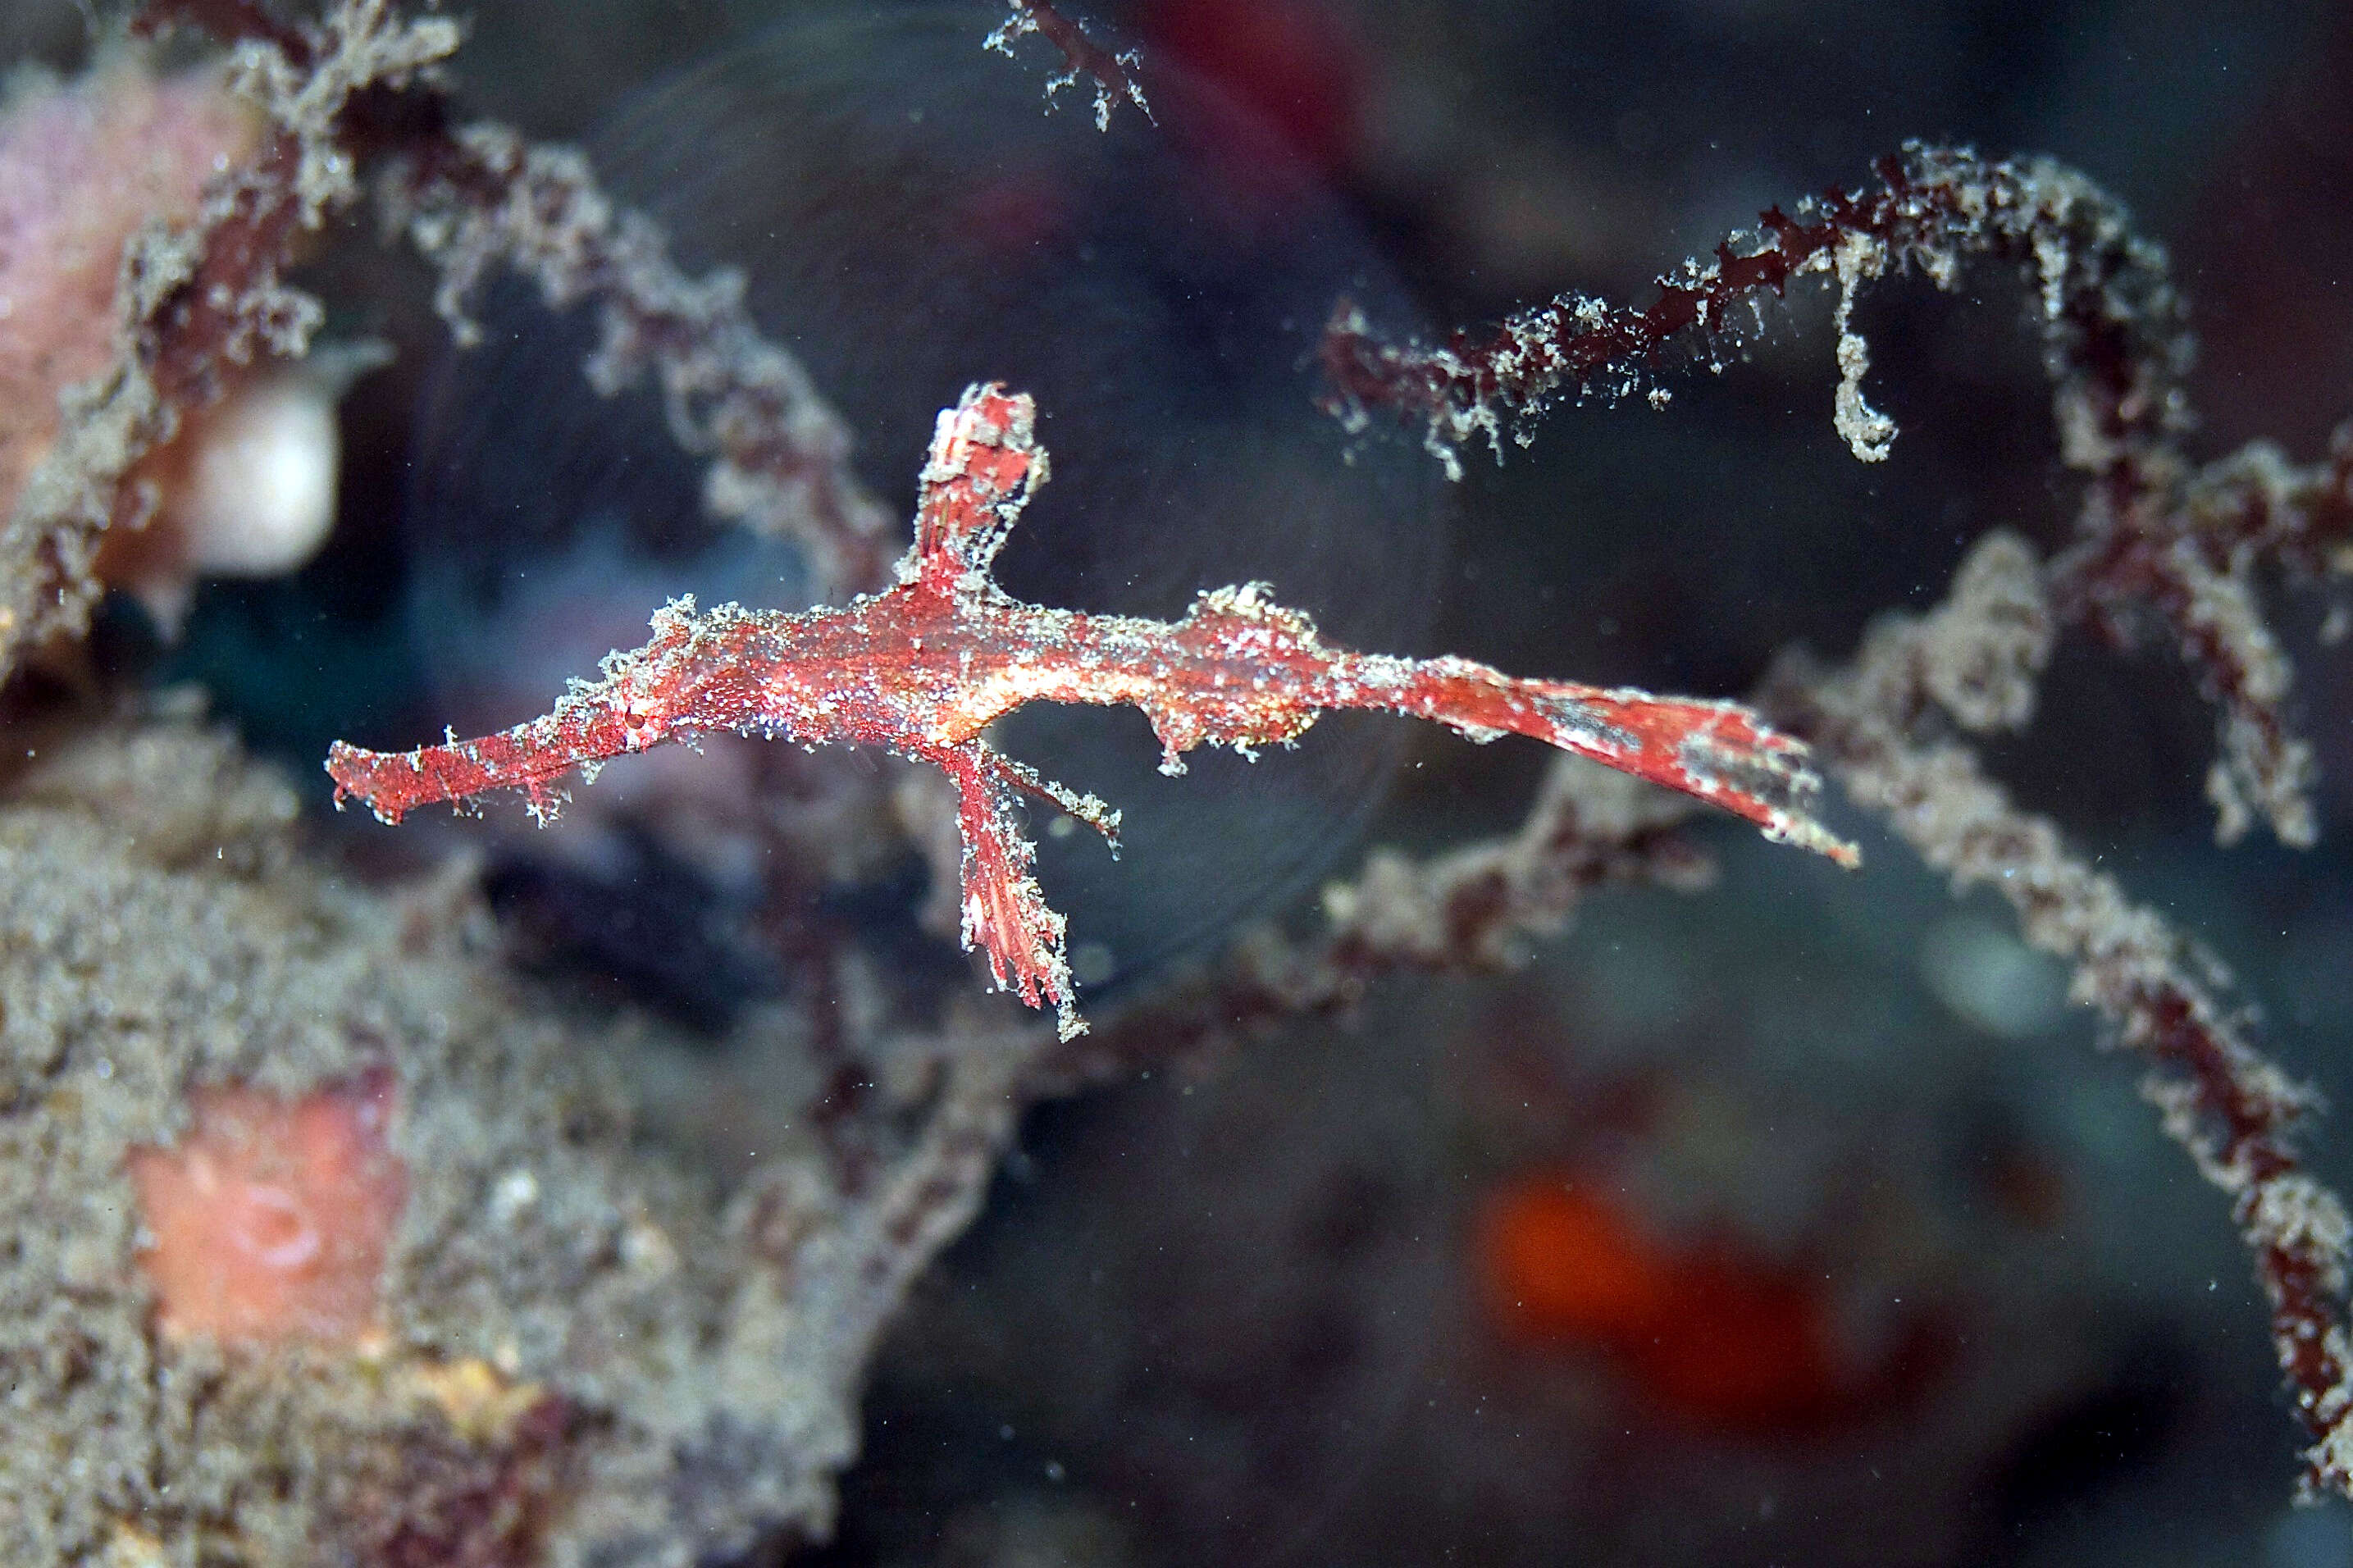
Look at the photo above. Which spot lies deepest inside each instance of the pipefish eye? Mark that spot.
(908, 221)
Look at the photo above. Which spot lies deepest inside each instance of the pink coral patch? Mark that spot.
(271, 1216)
(81, 169)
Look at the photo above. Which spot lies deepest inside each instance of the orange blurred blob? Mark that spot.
(1562, 1265)
(1291, 62)
(1715, 1336)
(271, 1216)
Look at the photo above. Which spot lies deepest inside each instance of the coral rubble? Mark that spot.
(587, 1345)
